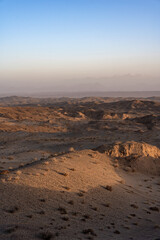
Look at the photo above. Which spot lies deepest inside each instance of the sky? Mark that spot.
(79, 45)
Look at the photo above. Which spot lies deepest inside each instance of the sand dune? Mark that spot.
(76, 196)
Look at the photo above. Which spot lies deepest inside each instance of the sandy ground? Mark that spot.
(56, 184)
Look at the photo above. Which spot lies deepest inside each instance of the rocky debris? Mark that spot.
(130, 148)
(134, 156)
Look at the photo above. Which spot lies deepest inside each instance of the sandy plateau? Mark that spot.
(79, 169)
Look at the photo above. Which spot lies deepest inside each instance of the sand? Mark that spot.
(63, 174)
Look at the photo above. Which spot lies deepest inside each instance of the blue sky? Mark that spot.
(109, 44)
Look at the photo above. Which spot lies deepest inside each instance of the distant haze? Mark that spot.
(60, 94)
(79, 46)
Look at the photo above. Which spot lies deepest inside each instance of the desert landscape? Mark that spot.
(79, 168)
(80, 120)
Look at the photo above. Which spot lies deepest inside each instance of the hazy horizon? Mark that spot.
(87, 45)
(74, 94)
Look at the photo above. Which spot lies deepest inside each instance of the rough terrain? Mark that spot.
(79, 169)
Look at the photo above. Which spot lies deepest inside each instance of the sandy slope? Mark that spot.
(79, 195)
